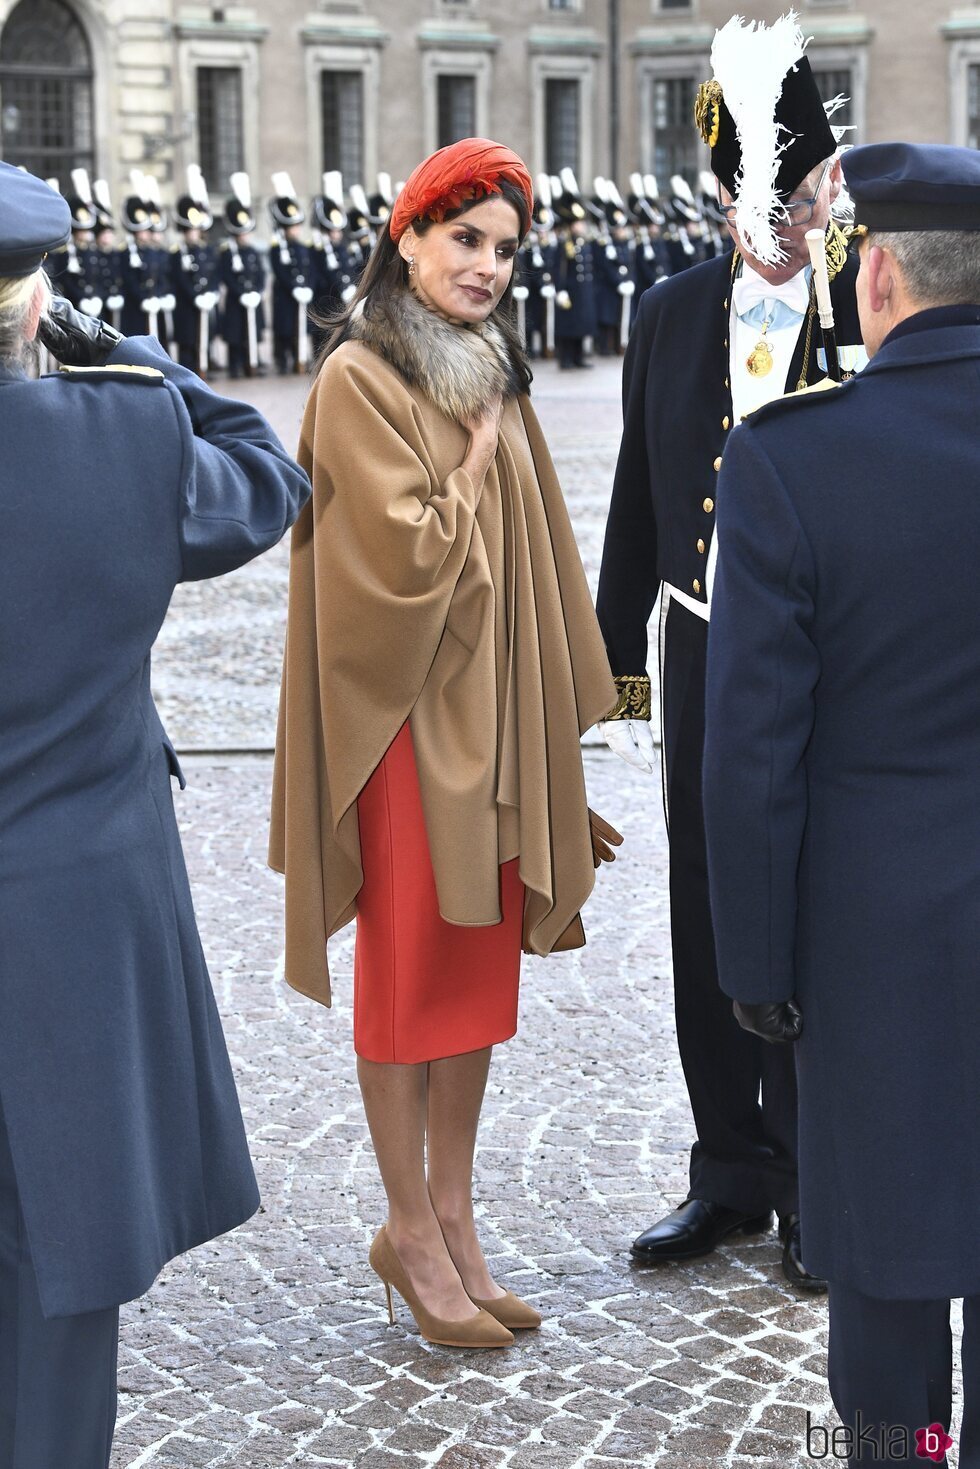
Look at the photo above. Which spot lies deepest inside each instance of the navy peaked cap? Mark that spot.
(914, 186)
(34, 220)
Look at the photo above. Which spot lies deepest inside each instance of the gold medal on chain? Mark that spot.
(759, 360)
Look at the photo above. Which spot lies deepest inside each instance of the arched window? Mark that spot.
(46, 91)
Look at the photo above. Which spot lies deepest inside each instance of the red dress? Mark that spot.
(424, 988)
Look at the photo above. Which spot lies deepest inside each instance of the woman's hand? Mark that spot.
(602, 835)
(483, 433)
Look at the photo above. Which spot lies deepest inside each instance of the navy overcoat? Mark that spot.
(124, 1123)
(842, 793)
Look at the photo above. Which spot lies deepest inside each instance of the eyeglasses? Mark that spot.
(796, 211)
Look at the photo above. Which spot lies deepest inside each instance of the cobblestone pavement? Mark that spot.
(272, 1346)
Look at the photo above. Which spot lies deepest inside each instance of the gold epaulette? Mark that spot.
(777, 404)
(121, 371)
(634, 697)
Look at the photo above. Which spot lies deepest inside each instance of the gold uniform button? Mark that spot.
(697, 585)
(717, 464)
(700, 548)
(726, 422)
(708, 506)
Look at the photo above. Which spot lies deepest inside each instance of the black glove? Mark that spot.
(75, 339)
(777, 1023)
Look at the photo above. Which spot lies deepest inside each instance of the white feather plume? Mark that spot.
(750, 60)
(151, 185)
(569, 182)
(80, 181)
(650, 186)
(100, 190)
(359, 199)
(544, 189)
(333, 185)
(196, 186)
(282, 186)
(385, 189)
(241, 187)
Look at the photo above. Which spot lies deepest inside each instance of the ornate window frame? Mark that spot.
(361, 54)
(196, 50)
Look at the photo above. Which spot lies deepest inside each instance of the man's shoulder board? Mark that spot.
(122, 372)
(778, 405)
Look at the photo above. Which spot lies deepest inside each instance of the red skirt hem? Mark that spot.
(424, 989)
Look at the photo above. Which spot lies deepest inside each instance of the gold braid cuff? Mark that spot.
(634, 697)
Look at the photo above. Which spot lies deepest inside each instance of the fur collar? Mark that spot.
(460, 368)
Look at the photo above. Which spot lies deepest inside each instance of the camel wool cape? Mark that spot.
(416, 595)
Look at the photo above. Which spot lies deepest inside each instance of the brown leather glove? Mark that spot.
(602, 835)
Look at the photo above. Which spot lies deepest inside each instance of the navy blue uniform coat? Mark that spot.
(842, 795)
(124, 1123)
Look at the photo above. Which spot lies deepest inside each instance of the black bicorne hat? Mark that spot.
(285, 208)
(191, 214)
(805, 131)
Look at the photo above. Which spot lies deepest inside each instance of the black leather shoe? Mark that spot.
(694, 1229)
(793, 1267)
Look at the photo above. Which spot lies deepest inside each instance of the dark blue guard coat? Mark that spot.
(124, 1123)
(842, 793)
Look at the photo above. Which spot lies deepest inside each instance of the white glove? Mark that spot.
(91, 306)
(564, 300)
(206, 301)
(250, 299)
(348, 294)
(520, 293)
(303, 295)
(152, 304)
(547, 292)
(626, 288)
(167, 303)
(115, 303)
(631, 740)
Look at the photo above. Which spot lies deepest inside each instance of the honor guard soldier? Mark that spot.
(575, 294)
(75, 269)
(709, 345)
(360, 229)
(243, 273)
(109, 258)
(121, 1139)
(614, 271)
(536, 272)
(685, 241)
(842, 800)
(717, 239)
(338, 269)
(380, 202)
(652, 260)
(194, 276)
(145, 266)
(292, 278)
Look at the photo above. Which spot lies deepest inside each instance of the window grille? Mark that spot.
(46, 122)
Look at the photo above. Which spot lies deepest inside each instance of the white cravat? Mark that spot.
(750, 289)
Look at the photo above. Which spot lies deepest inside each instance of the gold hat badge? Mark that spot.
(707, 111)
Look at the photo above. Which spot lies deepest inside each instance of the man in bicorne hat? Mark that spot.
(710, 345)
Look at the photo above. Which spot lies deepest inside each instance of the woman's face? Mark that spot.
(463, 266)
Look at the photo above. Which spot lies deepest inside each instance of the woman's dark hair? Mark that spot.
(387, 274)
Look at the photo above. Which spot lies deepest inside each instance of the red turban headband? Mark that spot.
(449, 178)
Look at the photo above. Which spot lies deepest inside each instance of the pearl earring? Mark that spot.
(411, 265)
